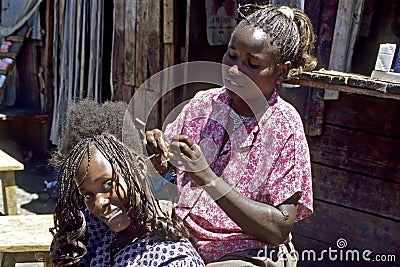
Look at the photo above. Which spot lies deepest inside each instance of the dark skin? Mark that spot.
(249, 55)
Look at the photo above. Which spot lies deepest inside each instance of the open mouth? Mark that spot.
(112, 214)
(230, 82)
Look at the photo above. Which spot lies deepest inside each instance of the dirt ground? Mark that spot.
(32, 195)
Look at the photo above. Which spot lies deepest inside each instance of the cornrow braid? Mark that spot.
(144, 210)
(289, 29)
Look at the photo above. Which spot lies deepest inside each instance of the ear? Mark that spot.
(141, 163)
(283, 70)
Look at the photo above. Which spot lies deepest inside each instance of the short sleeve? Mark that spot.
(291, 174)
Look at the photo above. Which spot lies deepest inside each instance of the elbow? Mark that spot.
(280, 235)
(280, 238)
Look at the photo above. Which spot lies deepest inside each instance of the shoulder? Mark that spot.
(287, 116)
(182, 251)
(203, 101)
(157, 252)
(210, 94)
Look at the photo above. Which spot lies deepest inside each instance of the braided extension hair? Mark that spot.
(143, 209)
(290, 31)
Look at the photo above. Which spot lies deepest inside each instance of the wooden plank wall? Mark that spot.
(356, 178)
(144, 44)
(322, 15)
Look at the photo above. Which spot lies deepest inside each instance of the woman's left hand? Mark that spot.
(187, 155)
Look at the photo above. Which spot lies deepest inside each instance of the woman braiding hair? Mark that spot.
(240, 154)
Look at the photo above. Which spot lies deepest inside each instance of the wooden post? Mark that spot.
(9, 192)
(187, 45)
(154, 36)
(155, 64)
(48, 48)
(169, 56)
(141, 43)
(118, 61)
(322, 16)
(346, 29)
(7, 167)
(83, 54)
(130, 50)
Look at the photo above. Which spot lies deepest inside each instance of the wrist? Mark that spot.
(203, 177)
(217, 188)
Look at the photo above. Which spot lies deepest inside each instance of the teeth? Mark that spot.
(233, 83)
(110, 215)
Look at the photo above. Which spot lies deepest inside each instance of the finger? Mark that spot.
(181, 148)
(151, 139)
(159, 162)
(184, 139)
(163, 145)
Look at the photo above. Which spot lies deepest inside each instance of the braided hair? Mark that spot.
(289, 29)
(143, 209)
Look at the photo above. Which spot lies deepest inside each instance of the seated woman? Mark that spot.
(106, 214)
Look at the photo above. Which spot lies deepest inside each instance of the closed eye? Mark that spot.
(232, 56)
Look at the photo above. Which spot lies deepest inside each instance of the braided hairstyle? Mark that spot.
(69, 220)
(289, 29)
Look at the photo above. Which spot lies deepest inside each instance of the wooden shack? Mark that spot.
(351, 121)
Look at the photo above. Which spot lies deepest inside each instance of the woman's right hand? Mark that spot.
(157, 144)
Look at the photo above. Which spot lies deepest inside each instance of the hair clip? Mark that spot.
(287, 11)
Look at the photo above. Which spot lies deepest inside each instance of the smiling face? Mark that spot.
(253, 69)
(99, 191)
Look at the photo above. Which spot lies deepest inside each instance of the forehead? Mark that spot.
(99, 166)
(252, 39)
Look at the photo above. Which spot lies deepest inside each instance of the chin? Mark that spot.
(119, 224)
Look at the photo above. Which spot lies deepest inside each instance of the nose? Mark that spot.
(101, 200)
(234, 69)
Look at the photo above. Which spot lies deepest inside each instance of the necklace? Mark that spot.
(238, 120)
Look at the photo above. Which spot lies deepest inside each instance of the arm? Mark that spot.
(265, 222)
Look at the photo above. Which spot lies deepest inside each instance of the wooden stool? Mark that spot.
(7, 167)
(25, 238)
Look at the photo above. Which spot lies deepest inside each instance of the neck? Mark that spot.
(247, 109)
(251, 107)
(128, 235)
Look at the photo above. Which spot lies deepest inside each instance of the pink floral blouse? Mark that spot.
(266, 160)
